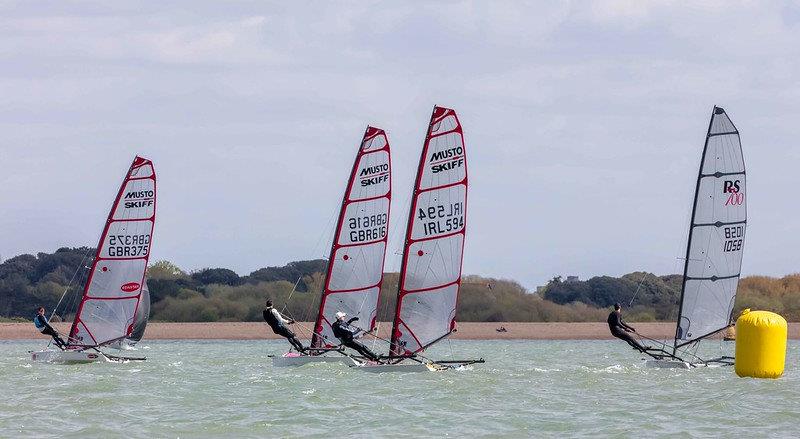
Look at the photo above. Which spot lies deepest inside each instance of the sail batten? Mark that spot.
(430, 275)
(716, 235)
(112, 293)
(355, 266)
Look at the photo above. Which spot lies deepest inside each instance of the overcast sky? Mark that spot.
(583, 121)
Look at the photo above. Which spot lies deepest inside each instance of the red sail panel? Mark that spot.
(111, 296)
(355, 265)
(430, 277)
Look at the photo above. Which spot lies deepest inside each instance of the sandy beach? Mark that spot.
(466, 331)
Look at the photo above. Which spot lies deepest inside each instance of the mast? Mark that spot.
(355, 265)
(430, 276)
(716, 235)
(112, 292)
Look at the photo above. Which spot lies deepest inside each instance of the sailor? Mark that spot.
(277, 322)
(347, 334)
(41, 323)
(620, 329)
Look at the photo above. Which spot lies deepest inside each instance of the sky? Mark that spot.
(583, 121)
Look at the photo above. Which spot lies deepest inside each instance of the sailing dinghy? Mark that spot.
(355, 265)
(113, 291)
(714, 250)
(430, 276)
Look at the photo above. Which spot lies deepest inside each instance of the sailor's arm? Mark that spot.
(279, 317)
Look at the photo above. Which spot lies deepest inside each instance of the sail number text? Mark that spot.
(733, 238)
(367, 228)
(126, 246)
(442, 218)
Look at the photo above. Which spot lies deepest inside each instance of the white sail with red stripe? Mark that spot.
(111, 296)
(430, 277)
(355, 265)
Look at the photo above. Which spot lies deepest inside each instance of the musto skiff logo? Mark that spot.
(135, 199)
(374, 175)
(447, 159)
(130, 287)
(733, 189)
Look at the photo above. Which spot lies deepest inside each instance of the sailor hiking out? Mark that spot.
(41, 323)
(620, 329)
(277, 322)
(347, 334)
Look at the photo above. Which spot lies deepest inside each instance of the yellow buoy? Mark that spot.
(760, 344)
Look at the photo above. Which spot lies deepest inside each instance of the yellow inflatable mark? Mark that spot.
(760, 344)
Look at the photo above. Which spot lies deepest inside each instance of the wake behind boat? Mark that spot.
(355, 265)
(714, 250)
(112, 294)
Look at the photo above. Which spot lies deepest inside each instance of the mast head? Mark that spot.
(719, 110)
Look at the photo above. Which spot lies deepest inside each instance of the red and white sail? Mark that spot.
(355, 266)
(111, 296)
(430, 277)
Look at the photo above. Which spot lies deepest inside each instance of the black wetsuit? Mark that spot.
(346, 334)
(618, 329)
(44, 327)
(280, 329)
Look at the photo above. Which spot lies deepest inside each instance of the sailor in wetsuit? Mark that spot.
(276, 321)
(620, 329)
(41, 323)
(347, 335)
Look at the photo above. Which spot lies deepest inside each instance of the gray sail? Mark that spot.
(142, 316)
(716, 235)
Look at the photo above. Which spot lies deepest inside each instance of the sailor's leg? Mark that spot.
(630, 340)
(56, 338)
(363, 350)
(285, 332)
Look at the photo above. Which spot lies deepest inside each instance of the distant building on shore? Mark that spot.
(572, 279)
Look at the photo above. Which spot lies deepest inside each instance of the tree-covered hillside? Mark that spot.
(220, 294)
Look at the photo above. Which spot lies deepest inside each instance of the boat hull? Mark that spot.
(294, 360)
(667, 364)
(66, 357)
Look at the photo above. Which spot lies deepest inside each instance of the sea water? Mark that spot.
(526, 388)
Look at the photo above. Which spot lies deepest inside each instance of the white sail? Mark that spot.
(430, 276)
(716, 235)
(107, 311)
(355, 266)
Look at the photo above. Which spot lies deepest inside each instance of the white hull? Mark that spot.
(66, 357)
(667, 364)
(287, 360)
(403, 367)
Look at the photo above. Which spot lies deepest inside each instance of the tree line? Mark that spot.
(220, 294)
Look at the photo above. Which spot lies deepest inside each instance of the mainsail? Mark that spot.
(716, 235)
(355, 265)
(112, 293)
(430, 276)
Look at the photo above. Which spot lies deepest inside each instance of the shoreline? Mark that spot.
(466, 331)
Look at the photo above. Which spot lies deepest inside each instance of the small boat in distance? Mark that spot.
(430, 275)
(112, 294)
(355, 265)
(714, 250)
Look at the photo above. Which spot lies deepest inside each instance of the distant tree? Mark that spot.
(165, 270)
(222, 276)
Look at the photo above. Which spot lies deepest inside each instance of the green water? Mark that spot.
(526, 388)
